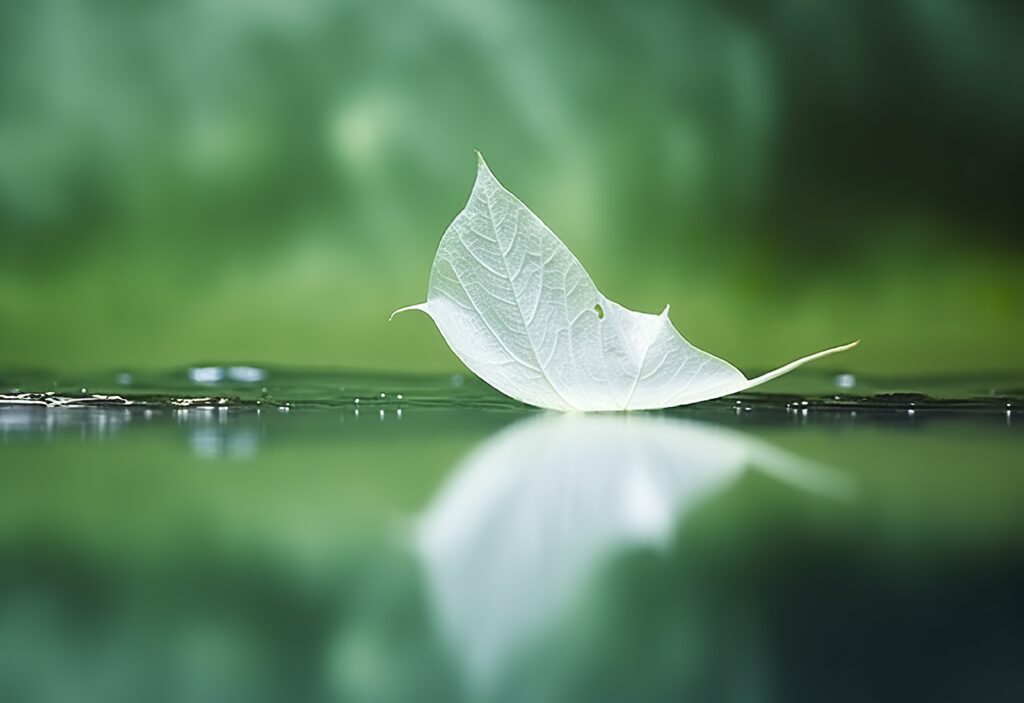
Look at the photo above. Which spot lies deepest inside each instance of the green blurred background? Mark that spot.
(266, 181)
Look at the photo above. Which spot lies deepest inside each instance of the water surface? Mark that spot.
(229, 532)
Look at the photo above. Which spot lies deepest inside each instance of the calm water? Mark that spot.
(230, 533)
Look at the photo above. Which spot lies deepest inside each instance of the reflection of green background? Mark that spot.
(270, 557)
(267, 181)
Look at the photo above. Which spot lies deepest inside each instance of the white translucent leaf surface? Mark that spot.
(522, 313)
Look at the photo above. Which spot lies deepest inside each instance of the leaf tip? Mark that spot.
(480, 159)
(664, 313)
(407, 308)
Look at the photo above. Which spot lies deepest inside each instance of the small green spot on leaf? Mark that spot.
(600, 311)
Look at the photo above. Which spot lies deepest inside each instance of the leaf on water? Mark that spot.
(520, 311)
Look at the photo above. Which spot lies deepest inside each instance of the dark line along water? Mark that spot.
(237, 385)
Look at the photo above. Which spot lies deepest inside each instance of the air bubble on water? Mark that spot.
(803, 402)
(383, 395)
(84, 390)
(356, 401)
(399, 396)
(458, 379)
(846, 380)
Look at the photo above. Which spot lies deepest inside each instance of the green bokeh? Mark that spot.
(182, 182)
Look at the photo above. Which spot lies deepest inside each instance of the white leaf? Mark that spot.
(520, 311)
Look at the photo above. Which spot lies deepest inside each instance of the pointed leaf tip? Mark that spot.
(479, 158)
(799, 362)
(420, 306)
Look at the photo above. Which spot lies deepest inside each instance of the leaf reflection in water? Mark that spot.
(531, 514)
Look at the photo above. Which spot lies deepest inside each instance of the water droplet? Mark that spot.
(399, 396)
(246, 374)
(383, 395)
(84, 390)
(356, 401)
(846, 380)
(205, 374)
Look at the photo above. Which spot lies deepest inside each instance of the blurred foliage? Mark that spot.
(267, 181)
